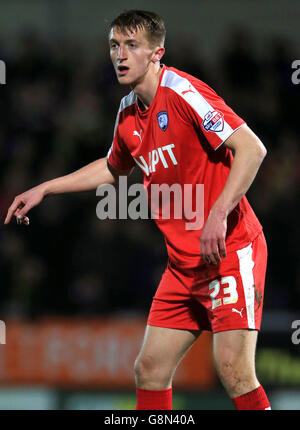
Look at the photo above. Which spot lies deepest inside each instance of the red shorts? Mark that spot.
(223, 297)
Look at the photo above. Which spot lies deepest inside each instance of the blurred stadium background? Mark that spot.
(75, 291)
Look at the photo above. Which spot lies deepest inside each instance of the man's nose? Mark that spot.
(122, 53)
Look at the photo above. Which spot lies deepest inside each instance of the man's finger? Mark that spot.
(11, 211)
(214, 252)
(213, 259)
(205, 252)
(202, 249)
(209, 253)
(8, 216)
(217, 257)
(22, 220)
(222, 248)
(23, 211)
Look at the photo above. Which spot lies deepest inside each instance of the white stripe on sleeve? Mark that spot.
(180, 85)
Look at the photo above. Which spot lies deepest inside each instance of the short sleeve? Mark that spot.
(118, 155)
(209, 113)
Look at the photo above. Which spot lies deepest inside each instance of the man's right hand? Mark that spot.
(87, 178)
(23, 203)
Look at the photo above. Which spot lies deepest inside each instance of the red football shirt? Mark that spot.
(178, 140)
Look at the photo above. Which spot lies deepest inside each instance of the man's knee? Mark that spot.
(238, 377)
(234, 355)
(144, 366)
(149, 371)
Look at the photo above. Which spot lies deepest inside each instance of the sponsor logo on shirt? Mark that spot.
(157, 156)
(213, 121)
(163, 120)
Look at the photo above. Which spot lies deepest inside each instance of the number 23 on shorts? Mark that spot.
(230, 291)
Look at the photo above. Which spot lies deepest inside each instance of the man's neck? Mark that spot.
(146, 89)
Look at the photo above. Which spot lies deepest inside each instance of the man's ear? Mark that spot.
(158, 54)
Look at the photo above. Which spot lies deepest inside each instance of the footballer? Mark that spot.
(177, 130)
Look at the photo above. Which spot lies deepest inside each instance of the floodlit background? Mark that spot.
(75, 291)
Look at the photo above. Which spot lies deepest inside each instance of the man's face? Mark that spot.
(131, 55)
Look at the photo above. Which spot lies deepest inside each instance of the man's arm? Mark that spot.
(87, 178)
(249, 153)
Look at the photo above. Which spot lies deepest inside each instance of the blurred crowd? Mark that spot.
(57, 113)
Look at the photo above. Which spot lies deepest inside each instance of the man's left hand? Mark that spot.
(212, 240)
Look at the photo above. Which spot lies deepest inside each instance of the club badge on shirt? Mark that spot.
(213, 121)
(163, 120)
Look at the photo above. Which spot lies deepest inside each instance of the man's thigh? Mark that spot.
(166, 346)
(235, 346)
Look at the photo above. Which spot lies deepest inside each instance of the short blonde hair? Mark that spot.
(143, 20)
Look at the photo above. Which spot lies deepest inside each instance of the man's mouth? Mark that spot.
(122, 70)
